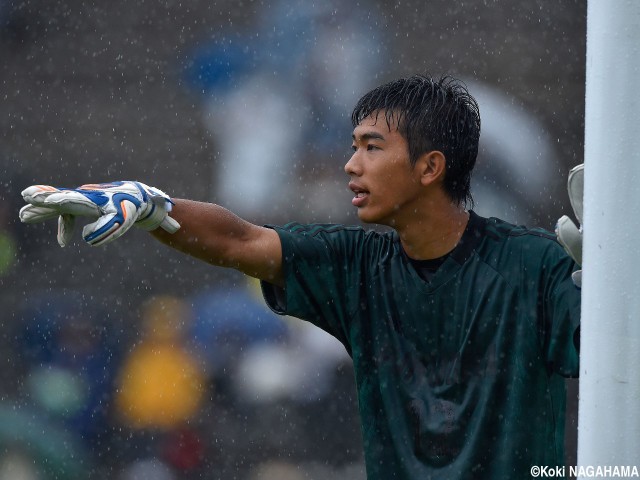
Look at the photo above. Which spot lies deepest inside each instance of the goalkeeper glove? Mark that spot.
(115, 207)
(569, 235)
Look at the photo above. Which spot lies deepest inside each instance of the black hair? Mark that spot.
(431, 115)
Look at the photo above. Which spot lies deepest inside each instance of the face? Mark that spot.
(385, 186)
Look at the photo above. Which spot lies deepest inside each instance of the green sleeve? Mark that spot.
(322, 268)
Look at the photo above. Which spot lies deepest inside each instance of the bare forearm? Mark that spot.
(205, 231)
(217, 236)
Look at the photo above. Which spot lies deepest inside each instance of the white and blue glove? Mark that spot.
(569, 234)
(114, 208)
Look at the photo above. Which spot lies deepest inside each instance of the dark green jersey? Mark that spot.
(459, 377)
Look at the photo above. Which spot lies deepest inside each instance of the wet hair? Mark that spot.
(431, 115)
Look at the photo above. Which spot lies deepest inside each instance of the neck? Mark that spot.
(435, 233)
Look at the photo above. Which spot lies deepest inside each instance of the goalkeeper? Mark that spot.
(461, 328)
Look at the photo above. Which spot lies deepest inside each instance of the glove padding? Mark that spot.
(568, 233)
(115, 207)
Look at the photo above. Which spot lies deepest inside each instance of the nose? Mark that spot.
(352, 167)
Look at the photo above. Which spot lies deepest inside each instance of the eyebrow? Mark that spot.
(368, 136)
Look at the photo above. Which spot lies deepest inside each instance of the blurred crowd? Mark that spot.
(212, 386)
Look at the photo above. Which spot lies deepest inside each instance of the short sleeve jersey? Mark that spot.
(459, 377)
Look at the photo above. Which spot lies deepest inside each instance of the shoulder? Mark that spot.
(500, 230)
(526, 244)
(345, 238)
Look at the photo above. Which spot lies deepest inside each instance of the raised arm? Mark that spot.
(203, 230)
(217, 236)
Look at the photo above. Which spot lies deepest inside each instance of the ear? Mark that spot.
(431, 167)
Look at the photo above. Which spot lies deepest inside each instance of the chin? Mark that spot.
(365, 216)
(372, 217)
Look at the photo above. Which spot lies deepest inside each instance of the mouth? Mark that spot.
(360, 194)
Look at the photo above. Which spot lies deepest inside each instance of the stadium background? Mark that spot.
(95, 91)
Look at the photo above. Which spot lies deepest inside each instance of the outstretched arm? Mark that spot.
(217, 236)
(203, 230)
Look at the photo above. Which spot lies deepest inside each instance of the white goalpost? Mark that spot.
(609, 405)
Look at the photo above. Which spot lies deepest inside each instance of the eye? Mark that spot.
(372, 147)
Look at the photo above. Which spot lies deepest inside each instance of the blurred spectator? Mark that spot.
(227, 323)
(258, 355)
(160, 391)
(70, 361)
(277, 105)
(159, 384)
(301, 370)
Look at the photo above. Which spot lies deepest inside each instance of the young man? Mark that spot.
(460, 327)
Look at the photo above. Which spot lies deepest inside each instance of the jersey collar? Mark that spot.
(471, 238)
